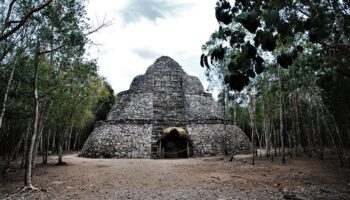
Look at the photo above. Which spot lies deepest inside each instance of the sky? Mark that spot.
(143, 30)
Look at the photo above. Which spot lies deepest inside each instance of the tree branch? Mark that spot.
(100, 26)
(47, 93)
(6, 22)
(52, 50)
(24, 20)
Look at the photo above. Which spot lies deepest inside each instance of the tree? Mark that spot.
(42, 52)
(282, 30)
(255, 36)
(10, 26)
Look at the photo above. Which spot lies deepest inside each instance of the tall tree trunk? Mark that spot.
(225, 125)
(25, 144)
(274, 131)
(41, 148)
(265, 127)
(298, 124)
(320, 156)
(234, 110)
(29, 157)
(314, 136)
(281, 115)
(70, 137)
(252, 126)
(6, 94)
(36, 146)
(42, 119)
(294, 126)
(78, 144)
(76, 139)
(53, 147)
(267, 132)
(47, 145)
(61, 140)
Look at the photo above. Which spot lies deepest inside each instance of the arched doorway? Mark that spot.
(174, 143)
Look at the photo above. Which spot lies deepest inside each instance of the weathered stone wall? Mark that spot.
(168, 96)
(236, 140)
(120, 141)
(202, 106)
(211, 139)
(141, 83)
(165, 63)
(192, 85)
(207, 138)
(132, 105)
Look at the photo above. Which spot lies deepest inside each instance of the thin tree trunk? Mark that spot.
(29, 157)
(320, 156)
(274, 137)
(36, 146)
(60, 146)
(53, 147)
(281, 115)
(267, 137)
(314, 136)
(225, 124)
(294, 126)
(6, 95)
(47, 146)
(252, 125)
(41, 149)
(234, 110)
(298, 124)
(25, 145)
(265, 127)
(79, 140)
(76, 139)
(70, 137)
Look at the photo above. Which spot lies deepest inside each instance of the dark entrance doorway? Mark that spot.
(175, 143)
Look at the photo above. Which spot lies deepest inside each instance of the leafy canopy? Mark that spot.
(254, 34)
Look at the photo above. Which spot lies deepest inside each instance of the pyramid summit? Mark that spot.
(165, 113)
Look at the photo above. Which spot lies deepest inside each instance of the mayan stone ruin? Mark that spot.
(164, 114)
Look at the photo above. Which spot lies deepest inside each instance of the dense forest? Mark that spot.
(51, 93)
(283, 73)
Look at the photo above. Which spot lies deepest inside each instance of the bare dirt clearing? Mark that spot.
(198, 178)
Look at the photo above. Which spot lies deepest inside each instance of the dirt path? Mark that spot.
(197, 178)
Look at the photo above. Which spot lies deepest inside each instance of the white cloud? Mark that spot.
(151, 9)
(127, 48)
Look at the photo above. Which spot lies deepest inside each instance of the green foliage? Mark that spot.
(310, 41)
(280, 30)
(105, 104)
(71, 93)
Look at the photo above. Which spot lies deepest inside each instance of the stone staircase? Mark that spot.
(156, 133)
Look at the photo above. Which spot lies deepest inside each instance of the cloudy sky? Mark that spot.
(143, 30)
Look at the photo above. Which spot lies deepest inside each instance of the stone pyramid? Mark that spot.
(165, 113)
